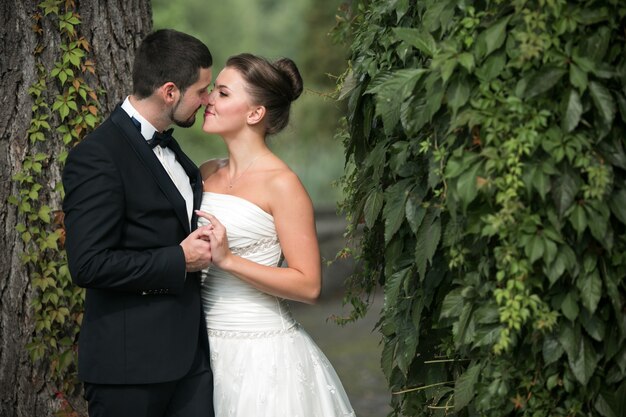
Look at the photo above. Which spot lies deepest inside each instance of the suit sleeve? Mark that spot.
(94, 210)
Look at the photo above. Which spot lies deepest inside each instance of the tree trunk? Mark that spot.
(114, 29)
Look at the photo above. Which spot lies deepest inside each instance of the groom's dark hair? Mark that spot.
(168, 55)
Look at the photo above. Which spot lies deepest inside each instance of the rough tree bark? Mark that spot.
(114, 28)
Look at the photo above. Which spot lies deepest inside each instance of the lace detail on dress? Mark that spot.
(252, 335)
(258, 246)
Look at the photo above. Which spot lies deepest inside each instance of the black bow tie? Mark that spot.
(162, 139)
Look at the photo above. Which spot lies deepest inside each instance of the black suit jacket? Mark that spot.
(124, 220)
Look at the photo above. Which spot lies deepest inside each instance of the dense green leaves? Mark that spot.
(464, 389)
(486, 159)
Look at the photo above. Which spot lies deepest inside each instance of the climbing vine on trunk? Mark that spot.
(63, 98)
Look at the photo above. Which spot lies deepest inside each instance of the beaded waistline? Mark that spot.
(252, 335)
(258, 246)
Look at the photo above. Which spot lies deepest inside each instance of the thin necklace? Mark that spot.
(231, 182)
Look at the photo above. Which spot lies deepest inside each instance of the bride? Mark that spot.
(264, 363)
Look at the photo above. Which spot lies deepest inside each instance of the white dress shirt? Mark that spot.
(166, 156)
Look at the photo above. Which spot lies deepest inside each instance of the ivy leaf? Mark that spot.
(458, 93)
(578, 78)
(492, 38)
(535, 248)
(428, 237)
(487, 314)
(578, 219)
(590, 287)
(569, 338)
(572, 110)
(51, 241)
(564, 191)
(593, 325)
(421, 40)
(611, 403)
(584, 363)
(407, 345)
(392, 286)
(603, 101)
(466, 185)
(395, 200)
(416, 313)
(463, 330)
(590, 16)
(599, 223)
(541, 183)
(435, 93)
(604, 405)
(595, 46)
(414, 212)
(556, 269)
(386, 358)
(391, 90)
(44, 213)
(456, 166)
(492, 67)
(543, 81)
(464, 387)
(376, 160)
(452, 304)
(438, 14)
(413, 115)
(569, 307)
(373, 204)
(467, 61)
(402, 6)
(552, 349)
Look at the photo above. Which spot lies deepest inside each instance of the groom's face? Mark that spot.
(183, 113)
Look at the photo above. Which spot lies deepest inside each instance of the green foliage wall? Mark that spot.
(486, 181)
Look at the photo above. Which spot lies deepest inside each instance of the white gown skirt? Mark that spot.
(273, 374)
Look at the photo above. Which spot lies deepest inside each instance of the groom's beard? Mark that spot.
(183, 122)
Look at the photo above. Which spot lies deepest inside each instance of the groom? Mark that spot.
(130, 195)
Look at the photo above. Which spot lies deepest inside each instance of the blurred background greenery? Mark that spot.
(298, 29)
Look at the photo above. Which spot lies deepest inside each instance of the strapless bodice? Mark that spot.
(231, 304)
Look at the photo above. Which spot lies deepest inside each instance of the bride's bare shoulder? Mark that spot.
(210, 167)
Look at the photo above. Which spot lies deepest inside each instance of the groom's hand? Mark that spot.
(197, 249)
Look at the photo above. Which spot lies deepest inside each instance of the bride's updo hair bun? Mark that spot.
(290, 70)
(272, 85)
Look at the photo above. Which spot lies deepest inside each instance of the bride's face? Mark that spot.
(229, 104)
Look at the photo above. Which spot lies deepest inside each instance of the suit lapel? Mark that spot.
(195, 179)
(150, 160)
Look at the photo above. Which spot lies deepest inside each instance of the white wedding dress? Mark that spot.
(264, 364)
